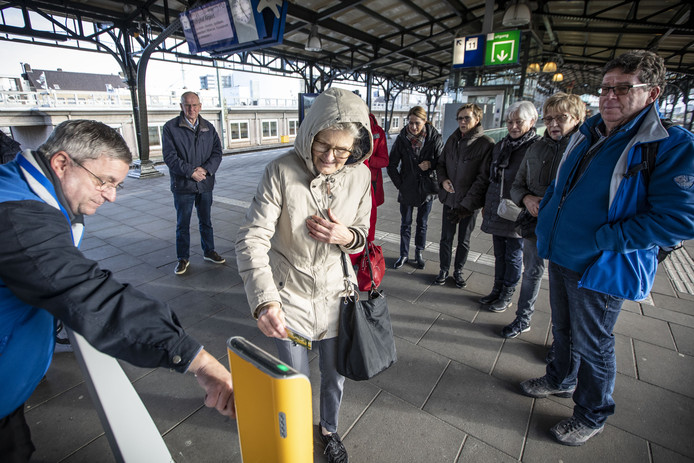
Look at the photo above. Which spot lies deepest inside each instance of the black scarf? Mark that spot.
(509, 145)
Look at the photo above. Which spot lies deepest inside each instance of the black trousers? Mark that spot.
(15, 438)
(448, 229)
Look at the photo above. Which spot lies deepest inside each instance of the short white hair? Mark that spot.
(524, 110)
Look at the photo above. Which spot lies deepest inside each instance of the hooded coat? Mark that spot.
(277, 259)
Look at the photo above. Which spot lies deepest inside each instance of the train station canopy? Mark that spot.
(405, 41)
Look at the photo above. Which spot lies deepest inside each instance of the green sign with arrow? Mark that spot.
(502, 48)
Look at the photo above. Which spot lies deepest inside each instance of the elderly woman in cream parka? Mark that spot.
(311, 203)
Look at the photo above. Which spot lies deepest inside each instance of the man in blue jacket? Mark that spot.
(600, 225)
(44, 196)
(193, 152)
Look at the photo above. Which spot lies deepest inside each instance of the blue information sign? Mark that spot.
(468, 51)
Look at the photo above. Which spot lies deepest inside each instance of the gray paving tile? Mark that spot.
(205, 436)
(474, 450)
(675, 304)
(665, 368)
(624, 351)
(64, 424)
(450, 301)
(414, 375)
(655, 414)
(684, 338)
(669, 316)
(463, 342)
(645, 329)
(410, 321)
(405, 434)
(97, 450)
(663, 455)
(101, 252)
(482, 406)
(403, 284)
(139, 274)
(63, 374)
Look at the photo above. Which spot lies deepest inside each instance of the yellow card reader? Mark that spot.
(273, 406)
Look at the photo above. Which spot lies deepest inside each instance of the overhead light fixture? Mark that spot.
(549, 66)
(533, 68)
(558, 77)
(516, 15)
(313, 43)
(414, 70)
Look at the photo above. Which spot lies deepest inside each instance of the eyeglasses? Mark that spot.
(517, 122)
(103, 185)
(619, 90)
(465, 118)
(323, 148)
(560, 119)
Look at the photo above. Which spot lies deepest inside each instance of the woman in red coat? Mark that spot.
(375, 163)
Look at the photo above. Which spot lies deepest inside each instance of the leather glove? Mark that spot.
(459, 213)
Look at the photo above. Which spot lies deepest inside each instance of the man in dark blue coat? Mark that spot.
(44, 278)
(600, 225)
(193, 152)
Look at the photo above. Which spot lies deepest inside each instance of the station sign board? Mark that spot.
(468, 51)
(502, 48)
(232, 26)
(486, 49)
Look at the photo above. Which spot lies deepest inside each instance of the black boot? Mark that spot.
(441, 279)
(458, 277)
(400, 262)
(418, 259)
(494, 295)
(504, 299)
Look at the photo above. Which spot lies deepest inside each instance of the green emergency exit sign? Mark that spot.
(502, 48)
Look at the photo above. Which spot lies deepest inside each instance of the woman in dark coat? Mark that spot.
(507, 157)
(463, 171)
(562, 115)
(414, 155)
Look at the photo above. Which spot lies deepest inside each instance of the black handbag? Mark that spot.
(427, 180)
(365, 344)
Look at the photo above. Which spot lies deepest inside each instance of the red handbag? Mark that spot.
(371, 269)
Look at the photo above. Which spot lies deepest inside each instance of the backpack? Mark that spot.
(647, 166)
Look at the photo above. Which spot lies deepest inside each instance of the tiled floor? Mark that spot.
(451, 397)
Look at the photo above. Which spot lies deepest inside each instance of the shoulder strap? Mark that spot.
(648, 154)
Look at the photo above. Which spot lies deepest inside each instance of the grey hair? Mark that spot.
(185, 94)
(354, 130)
(84, 139)
(523, 109)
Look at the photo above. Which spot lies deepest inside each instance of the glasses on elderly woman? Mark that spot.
(560, 119)
(323, 148)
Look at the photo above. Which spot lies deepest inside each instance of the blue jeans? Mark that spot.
(533, 268)
(582, 324)
(184, 209)
(465, 228)
(508, 260)
(420, 237)
(331, 382)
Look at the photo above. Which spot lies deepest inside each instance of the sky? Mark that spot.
(162, 77)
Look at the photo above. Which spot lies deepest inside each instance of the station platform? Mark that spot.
(453, 395)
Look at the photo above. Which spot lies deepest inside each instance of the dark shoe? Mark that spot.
(503, 301)
(400, 262)
(418, 259)
(459, 280)
(441, 279)
(213, 257)
(516, 327)
(494, 295)
(334, 448)
(540, 389)
(181, 266)
(573, 432)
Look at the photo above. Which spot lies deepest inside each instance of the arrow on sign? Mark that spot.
(459, 42)
(502, 56)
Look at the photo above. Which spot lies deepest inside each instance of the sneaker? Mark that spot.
(334, 448)
(540, 388)
(459, 280)
(515, 328)
(441, 279)
(181, 266)
(213, 257)
(572, 432)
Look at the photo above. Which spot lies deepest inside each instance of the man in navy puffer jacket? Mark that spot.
(600, 225)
